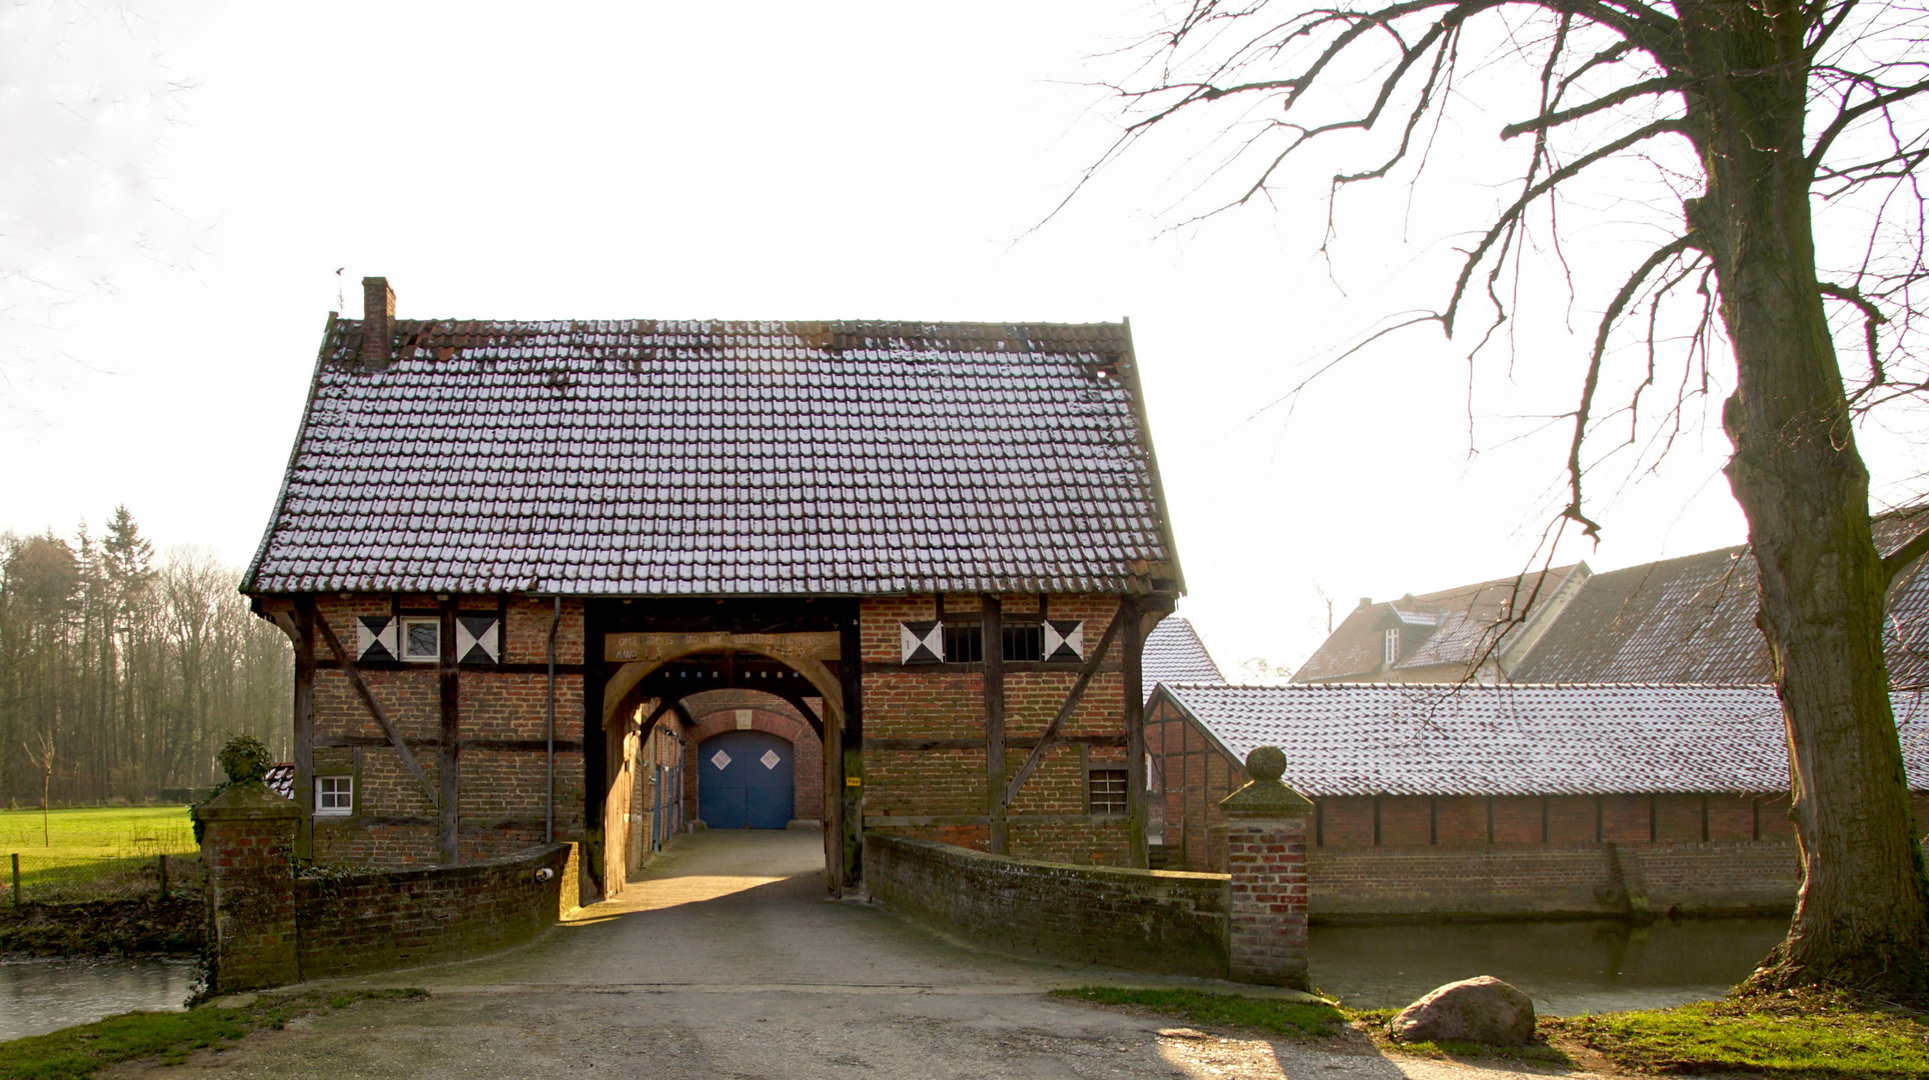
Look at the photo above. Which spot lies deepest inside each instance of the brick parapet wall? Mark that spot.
(1145, 920)
(362, 922)
(270, 927)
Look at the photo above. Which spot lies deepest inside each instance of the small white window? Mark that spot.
(334, 795)
(422, 640)
(1393, 645)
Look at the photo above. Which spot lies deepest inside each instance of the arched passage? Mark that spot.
(640, 694)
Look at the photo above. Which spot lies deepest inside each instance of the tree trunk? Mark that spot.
(1862, 917)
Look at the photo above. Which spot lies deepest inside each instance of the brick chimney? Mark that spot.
(378, 323)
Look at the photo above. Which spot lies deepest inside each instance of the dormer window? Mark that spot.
(1393, 646)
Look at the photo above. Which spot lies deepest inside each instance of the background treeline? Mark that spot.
(122, 673)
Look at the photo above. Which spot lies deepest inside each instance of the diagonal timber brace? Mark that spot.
(1065, 710)
(375, 709)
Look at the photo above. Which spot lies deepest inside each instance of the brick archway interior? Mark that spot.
(718, 711)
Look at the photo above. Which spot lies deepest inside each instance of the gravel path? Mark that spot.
(727, 962)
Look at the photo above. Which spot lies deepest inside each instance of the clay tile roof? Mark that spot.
(644, 457)
(1692, 619)
(1174, 653)
(1466, 739)
(1462, 624)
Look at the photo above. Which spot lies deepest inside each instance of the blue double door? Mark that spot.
(744, 781)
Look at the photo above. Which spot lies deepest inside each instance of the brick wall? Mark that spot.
(502, 792)
(939, 791)
(1145, 920)
(1552, 879)
(1506, 855)
(351, 923)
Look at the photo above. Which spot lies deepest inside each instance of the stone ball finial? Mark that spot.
(245, 759)
(1266, 764)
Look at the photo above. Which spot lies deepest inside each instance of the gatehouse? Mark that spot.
(598, 582)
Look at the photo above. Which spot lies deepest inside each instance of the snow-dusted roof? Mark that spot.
(1174, 653)
(1439, 739)
(638, 458)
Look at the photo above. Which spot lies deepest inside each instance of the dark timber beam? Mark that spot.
(1129, 613)
(1093, 663)
(305, 725)
(451, 693)
(848, 768)
(409, 764)
(992, 630)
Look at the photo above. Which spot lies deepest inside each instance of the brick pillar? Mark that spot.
(247, 846)
(1266, 856)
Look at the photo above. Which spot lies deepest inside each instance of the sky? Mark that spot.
(195, 185)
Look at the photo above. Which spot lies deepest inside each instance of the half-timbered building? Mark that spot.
(512, 555)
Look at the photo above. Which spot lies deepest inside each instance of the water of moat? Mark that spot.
(1567, 967)
(39, 995)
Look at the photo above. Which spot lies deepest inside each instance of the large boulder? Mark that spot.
(1483, 1010)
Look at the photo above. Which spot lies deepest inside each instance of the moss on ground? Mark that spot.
(75, 1053)
(1787, 1036)
(1794, 1035)
(1293, 1019)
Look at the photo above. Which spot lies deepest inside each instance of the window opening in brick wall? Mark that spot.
(1393, 645)
(1024, 641)
(334, 795)
(1105, 790)
(964, 643)
(422, 640)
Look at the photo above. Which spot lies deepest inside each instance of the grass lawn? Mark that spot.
(1294, 1019)
(75, 1053)
(92, 852)
(1808, 1036)
(99, 832)
(1811, 1036)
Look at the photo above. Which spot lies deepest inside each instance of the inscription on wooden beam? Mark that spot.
(645, 647)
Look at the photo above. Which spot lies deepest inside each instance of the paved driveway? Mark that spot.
(726, 960)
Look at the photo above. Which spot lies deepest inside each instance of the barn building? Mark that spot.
(1689, 619)
(601, 581)
(1471, 799)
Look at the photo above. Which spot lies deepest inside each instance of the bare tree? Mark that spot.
(1759, 114)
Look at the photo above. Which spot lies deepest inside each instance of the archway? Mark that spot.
(646, 698)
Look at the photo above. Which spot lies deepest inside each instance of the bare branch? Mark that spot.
(1872, 318)
(1592, 383)
(1850, 115)
(1659, 85)
(1572, 168)
(1898, 560)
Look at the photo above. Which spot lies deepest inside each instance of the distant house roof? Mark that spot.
(1692, 619)
(638, 457)
(1453, 626)
(1468, 739)
(1174, 653)
(1689, 619)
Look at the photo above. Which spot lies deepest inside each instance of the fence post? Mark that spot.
(16, 879)
(162, 861)
(1266, 857)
